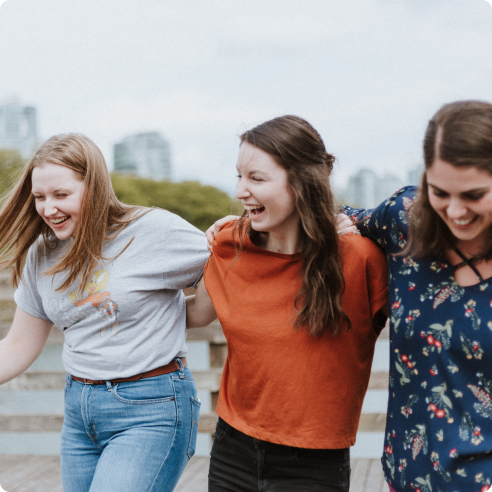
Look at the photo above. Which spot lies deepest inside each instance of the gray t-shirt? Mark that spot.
(131, 315)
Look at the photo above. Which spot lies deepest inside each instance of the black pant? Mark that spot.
(240, 463)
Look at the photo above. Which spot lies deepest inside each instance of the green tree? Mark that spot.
(11, 165)
(198, 204)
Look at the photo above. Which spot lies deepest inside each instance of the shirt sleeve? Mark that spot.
(387, 224)
(185, 254)
(27, 296)
(377, 278)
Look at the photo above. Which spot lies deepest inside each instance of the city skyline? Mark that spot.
(367, 74)
(147, 155)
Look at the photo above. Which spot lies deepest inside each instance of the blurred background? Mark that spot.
(164, 88)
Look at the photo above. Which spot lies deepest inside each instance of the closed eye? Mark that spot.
(474, 197)
(439, 193)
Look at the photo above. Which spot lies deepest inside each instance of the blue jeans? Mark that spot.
(240, 463)
(134, 436)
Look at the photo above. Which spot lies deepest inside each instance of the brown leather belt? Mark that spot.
(159, 371)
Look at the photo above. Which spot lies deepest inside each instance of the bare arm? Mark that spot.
(199, 308)
(23, 344)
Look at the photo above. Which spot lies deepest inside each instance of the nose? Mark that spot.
(242, 191)
(456, 209)
(50, 208)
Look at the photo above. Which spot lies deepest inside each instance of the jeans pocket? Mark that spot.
(148, 391)
(195, 414)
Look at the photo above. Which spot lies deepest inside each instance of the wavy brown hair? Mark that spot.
(102, 215)
(460, 134)
(299, 149)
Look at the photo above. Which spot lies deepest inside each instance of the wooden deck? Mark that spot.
(42, 474)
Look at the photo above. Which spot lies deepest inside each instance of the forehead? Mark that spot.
(253, 159)
(50, 175)
(451, 178)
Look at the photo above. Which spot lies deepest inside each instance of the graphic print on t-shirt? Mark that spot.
(100, 300)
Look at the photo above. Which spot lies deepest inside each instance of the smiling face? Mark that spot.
(462, 196)
(264, 190)
(58, 194)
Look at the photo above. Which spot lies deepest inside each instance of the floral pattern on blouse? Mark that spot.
(438, 434)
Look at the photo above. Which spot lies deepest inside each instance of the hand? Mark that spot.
(215, 228)
(73, 297)
(345, 225)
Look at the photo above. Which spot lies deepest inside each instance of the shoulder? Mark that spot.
(160, 220)
(227, 239)
(147, 216)
(402, 199)
(356, 249)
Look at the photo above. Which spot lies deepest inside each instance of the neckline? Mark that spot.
(284, 256)
(443, 259)
(467, 262)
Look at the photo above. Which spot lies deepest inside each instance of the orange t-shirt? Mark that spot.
(279, 384)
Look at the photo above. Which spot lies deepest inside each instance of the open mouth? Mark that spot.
(465, 222)
(254, 210)
(59, 221)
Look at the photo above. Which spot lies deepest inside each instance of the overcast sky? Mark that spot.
(368, 74)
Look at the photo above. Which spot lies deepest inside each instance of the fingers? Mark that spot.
(345, 225)
(215, 228)
(347, 230)
(210, 237)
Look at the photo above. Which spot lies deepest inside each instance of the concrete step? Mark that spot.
(53, 422)
(34, 410)
(38, 379)
(369, 422)
(55, 380)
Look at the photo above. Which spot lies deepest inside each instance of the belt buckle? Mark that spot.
(87, 382)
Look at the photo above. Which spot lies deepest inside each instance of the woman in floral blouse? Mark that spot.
(439, 244)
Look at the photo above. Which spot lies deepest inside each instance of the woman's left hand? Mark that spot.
(345, 225)
(215, 228)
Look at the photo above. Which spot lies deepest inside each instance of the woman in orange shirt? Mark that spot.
(301, 308)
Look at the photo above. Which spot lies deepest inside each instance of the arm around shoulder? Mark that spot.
(200, 310)
(22, 345)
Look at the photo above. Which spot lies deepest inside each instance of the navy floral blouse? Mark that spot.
(438, 434)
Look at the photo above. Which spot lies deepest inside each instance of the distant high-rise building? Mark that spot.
(145, 154)
(367, 190)
(415, 174)
(361, 191)
(18, 128)
(387, 185)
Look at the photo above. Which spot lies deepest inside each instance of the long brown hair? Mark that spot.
(299, 149)
(460, 133)
(102, 216)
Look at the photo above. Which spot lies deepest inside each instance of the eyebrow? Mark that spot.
(475, 190)
(54, 191)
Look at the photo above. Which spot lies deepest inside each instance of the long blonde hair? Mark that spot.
(102, 216)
